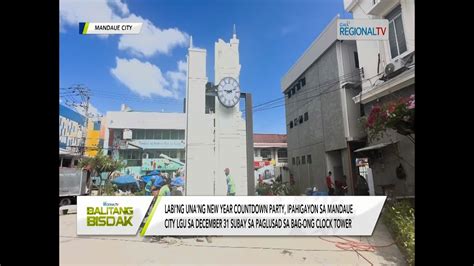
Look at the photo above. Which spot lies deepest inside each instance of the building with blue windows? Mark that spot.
(141, 138)
(71, 130)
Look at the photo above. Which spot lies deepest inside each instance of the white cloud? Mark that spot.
(182, 66)
(152, 40)
(142, 78)
(176, 78)
(122, 7)
(74, 11)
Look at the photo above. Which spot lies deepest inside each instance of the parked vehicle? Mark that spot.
(72, 181)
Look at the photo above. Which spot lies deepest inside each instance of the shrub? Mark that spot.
(400, 220)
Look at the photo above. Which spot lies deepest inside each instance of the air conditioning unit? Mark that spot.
(394, 68)
(399, 65)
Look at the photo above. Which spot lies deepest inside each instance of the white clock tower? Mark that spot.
(215, 140)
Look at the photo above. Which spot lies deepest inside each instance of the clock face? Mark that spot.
(228, 92)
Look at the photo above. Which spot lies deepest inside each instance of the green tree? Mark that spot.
(99, 164)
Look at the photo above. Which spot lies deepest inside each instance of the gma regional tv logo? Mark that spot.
(86, 28)
(109, 214)
(362, 29)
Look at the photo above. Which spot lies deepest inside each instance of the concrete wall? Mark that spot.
(368, 51)
(333, 117)
(146, 120)
(230, 126)
(200, 145)
(349, 73)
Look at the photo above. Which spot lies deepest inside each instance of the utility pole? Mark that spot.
(84, 137)
(84, 94)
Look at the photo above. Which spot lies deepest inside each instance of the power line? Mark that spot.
(345, 76)
(308, 99)
(309, 90)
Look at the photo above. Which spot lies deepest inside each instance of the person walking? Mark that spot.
(330, 184)
(230, 183)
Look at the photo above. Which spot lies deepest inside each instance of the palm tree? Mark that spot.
(99, 164)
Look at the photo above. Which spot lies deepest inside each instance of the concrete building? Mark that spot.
(322, 120)
(388, 73)
(93, 140)
(140, 138)
(71, 131)
(270, 147)
(270, 150)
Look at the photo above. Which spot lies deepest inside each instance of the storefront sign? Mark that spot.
(160, 143)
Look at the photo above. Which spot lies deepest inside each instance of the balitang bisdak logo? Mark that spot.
(362, 29)
(110, 214)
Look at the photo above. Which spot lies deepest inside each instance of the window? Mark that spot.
(289, 94)
(210, 106)
(303, 81)
(295, 122)
(149, 134)
(396, 34)
(309, 159)
(173, 153)
(293, 91)
(174, 134)
(298, 87)
(97, 125)
(356, 59)
(306, 116)
(266, 153)
(181, 134)
(138, 134)
(297, 160)
(156, 134)
(301, 119)
(165, 134)
(293, 160)
(282, 153)
(303, 159)
(291, 124)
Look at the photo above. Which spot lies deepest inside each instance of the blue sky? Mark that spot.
(146, 71)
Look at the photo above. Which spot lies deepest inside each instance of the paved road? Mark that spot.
(131, 250)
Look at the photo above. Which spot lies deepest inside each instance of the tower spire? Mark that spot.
(235, 33)
(191, 42)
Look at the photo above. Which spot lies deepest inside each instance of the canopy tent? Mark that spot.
(177, 181)
(125, 180)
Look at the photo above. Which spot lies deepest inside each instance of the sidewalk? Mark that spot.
(136, 250)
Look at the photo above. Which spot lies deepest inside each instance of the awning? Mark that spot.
(375, 147)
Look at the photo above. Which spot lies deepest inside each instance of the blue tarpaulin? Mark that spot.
(125, 180)
(177, 181)
(155, 172)
(147, 178)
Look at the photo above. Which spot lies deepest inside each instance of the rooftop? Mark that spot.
(270, 140)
